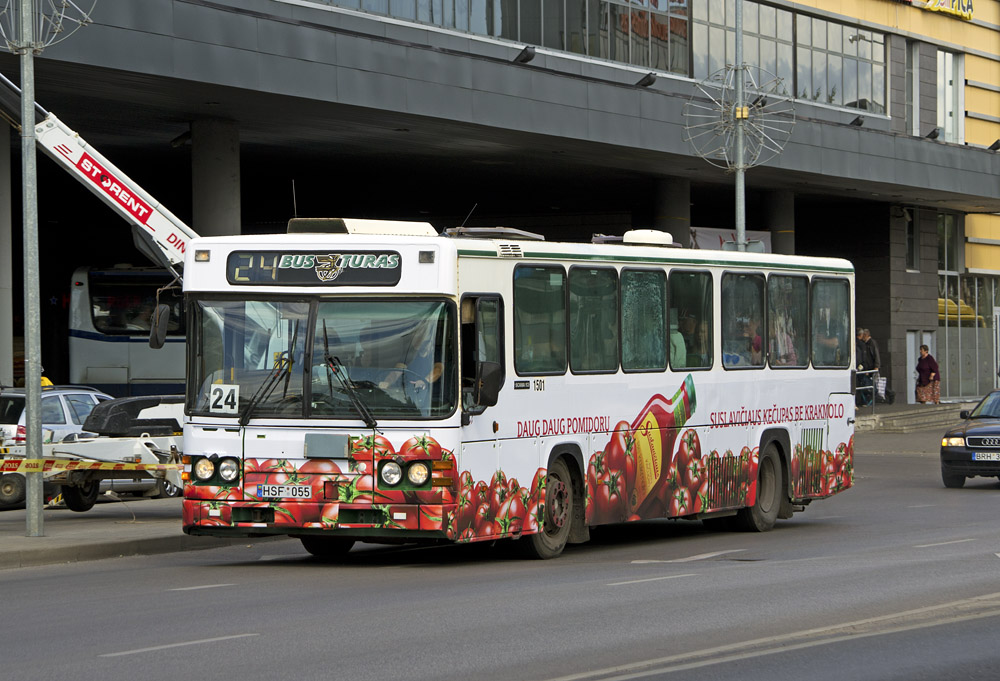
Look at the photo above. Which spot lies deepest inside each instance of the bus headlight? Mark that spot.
(418, 473)
(953, 442)
(204, 469)
(229, 470)
(391, 473)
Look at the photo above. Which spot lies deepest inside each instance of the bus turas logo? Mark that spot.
(355, 268)
(329, 266)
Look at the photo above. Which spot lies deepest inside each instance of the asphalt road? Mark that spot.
(896, 578)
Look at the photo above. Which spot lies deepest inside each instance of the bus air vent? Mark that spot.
(509, 251)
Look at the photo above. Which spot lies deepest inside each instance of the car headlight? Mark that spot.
(391, 473)
(953, 442)
(229, 470)
(204, 469)
(418, 473)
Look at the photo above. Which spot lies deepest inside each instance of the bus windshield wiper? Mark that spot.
(283, 363)
(335, 366)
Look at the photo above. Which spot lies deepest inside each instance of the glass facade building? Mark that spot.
(818, 60)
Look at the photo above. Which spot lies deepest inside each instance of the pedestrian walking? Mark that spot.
(928, 378)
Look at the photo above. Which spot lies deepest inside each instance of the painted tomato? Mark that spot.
(420, 447)
(680, 503)
(693, 474)
(699, 498)
(320, 467)
(609, 500)
(466, 481)
(537, 493)
(689, 446)
(532, 519)
(483, 517)
(466, 512)
(328, 515)
(468, 534)
(510, 517)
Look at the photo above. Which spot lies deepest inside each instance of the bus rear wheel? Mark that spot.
(762, 515)
(557, 515)
(327, 548)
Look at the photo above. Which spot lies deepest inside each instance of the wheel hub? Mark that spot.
(558, 511)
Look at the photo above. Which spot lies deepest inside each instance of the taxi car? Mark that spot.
(973, 448)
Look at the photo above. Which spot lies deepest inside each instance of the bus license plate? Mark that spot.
(986, 456)
(284, 491)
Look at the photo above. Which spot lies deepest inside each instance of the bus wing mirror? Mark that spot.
(158, 328)
(489, 376)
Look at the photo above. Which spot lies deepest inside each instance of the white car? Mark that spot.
(64, 409)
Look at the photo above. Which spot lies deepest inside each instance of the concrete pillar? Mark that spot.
(215, 177)
(672, 208)
(779, 217)
(6, 263)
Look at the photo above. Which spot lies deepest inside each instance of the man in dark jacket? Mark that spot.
(863, 359)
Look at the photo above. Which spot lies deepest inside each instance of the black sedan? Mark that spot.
(973, 448)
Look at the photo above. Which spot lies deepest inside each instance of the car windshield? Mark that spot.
(989, 408)
(394, 357)
(11, 407)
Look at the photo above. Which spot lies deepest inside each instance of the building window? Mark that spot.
(768, 38)
(950, 107)
(912, 243)
(912, 112)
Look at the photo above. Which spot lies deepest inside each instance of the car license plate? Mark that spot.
(986, 456)
(284, 491)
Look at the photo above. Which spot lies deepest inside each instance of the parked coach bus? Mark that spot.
(383, 383)
(110, 311)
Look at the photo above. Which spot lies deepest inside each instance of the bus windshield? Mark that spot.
(396, 357)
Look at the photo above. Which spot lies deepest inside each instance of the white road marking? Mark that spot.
(203, 586)
(700, 556)
(177, 645)
(944, 543)
(650, 579)
(936, 615)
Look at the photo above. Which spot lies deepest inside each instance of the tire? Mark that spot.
(12, 488)
(558, 515)
(327, 548)
(81, 498)
(761, 516)
(952, 480)
(166, 490)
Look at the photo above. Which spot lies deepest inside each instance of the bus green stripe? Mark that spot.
(669, 261)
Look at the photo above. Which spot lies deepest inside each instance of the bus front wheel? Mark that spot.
(761, 516)
(551, 539)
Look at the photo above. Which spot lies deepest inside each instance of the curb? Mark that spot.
(76, 552)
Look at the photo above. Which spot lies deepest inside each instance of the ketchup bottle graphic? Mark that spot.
(655, 430)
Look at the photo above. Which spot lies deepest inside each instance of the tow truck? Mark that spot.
(142, 449)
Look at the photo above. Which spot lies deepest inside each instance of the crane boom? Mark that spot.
(153, 223)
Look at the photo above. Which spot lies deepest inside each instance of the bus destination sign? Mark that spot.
(309, 268)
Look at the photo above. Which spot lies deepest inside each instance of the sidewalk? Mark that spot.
(109, 530)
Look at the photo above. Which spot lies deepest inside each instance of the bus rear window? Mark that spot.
(831, 323)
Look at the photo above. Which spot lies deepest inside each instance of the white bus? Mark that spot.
(389, 384)
(109, 319)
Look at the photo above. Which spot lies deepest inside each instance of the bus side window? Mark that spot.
(691, 296)
(787, 320)
(643, 323)
(539, 319)
(831, 309)
(743, 320)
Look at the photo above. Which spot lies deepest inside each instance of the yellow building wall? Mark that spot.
(982, 256)
(982, 226)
